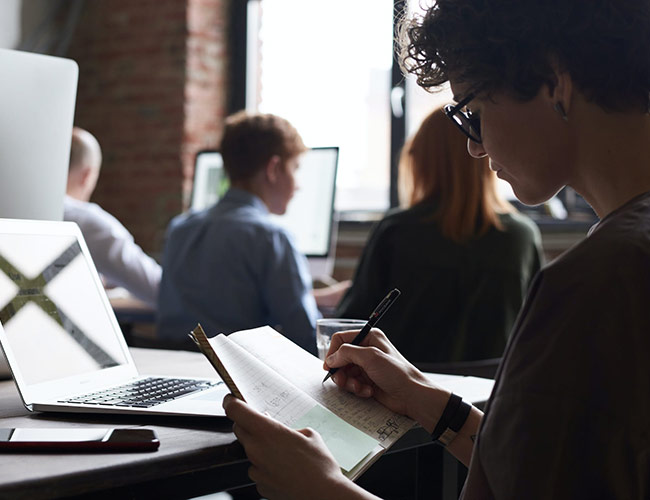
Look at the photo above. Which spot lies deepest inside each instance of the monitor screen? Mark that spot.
(310, 215)
(210, 181)
(37, 98)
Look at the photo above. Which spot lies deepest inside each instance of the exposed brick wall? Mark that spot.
(206, 82)
(152, 90)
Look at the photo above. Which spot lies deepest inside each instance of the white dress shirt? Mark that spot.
(116, 255)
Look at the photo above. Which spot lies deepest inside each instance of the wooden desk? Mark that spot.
(130, 309)
(138, 321)
(196, 455)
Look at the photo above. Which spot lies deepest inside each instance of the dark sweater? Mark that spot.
(459, 301)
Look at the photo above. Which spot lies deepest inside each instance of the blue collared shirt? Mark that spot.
(231, 268)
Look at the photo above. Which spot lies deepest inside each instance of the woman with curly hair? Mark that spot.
(461, 255)
(555, 93)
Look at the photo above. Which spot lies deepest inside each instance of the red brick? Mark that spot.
(152, 88)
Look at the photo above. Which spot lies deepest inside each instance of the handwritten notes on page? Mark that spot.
(305, 371)
(262, 388)
(267, 391)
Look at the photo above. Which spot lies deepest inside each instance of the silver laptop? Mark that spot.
(60, 337)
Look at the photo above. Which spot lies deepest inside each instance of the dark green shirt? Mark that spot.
(459, 301)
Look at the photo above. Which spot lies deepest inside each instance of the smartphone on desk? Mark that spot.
(76, 440)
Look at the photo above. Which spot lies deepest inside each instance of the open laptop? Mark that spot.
(60, 337)
(310, 216)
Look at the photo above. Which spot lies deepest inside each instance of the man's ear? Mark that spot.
(272, 169)
(85, 174)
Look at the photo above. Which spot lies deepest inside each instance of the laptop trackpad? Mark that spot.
(204, 403)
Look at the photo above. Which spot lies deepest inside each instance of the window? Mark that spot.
(326, 67)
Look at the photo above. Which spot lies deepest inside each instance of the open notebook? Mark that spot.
(274, 375)
(61, 339)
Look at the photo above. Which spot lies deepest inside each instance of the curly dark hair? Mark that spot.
(512, 46)
(250, 140)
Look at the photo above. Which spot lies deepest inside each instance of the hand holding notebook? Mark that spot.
(275, 376)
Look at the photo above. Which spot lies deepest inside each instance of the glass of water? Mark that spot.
(326, 327)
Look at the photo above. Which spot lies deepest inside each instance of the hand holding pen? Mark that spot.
(372, 321)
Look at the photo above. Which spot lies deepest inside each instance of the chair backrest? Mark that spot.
(485, 368)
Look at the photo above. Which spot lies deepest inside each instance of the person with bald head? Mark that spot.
(85, 162)
(119, 260)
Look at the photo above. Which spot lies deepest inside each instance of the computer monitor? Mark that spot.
(310, 217)
(210, 181)
(37, 102)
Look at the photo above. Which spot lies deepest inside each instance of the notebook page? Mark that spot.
(266, 391)
(306, 372)
(263, 389)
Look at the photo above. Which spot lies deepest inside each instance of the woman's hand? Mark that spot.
(376, 369)
(287, 464)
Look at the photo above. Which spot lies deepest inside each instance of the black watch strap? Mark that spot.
(455, 425)
(451, 421)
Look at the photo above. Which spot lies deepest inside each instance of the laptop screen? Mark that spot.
(55, 318)
(309, 216)
(210, 181)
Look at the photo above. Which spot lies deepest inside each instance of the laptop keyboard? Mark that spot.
(144, 393)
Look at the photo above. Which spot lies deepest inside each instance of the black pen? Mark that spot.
(372, 321)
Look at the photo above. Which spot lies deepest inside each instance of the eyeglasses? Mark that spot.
(467, 122)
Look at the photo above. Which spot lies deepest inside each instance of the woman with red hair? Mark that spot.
(459, 252)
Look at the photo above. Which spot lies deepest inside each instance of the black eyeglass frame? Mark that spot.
(469, 124)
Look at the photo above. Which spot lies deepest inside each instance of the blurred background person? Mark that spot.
(118, 259)
(230, 267)
(462, 256)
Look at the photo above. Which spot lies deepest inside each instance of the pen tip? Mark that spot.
(326, 377)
